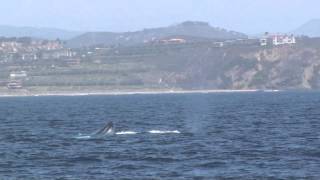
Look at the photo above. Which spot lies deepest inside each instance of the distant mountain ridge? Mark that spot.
(194, 29)
(40, 33)
(188, 28)
(311, 28)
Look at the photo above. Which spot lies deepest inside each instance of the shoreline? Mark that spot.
(119, 93)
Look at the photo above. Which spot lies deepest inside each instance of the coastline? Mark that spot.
(118, 93)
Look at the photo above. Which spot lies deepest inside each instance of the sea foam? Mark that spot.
(83, 137)
(126, 133)
(164, 132)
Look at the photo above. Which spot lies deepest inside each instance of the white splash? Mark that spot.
(83, 137)
(126, 133)
(164, 132)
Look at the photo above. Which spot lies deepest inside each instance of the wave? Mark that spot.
(126, 133)
(164, 132)
(80, 136)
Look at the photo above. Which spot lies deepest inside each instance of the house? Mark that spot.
(57, 54)
(264, 41)
(283, 39)
(173, 41)
(18, 75)
(29, 56)
(14, 85)
(277, 40)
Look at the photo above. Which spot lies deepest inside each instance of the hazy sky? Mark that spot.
(249, 16)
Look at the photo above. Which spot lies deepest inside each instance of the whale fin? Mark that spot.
(107, 129)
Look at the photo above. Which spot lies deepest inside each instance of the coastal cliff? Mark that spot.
(191, 65)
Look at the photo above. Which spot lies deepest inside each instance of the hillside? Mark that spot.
(311, 28)
(39, 33)
(188, 28)
(188, 66)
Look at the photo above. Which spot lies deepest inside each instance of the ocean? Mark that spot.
(253, 135)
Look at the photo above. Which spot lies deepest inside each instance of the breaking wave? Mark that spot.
(80, 136)
(164, 132)
(126, 133)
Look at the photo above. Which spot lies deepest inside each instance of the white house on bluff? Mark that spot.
(277, 40)
(283, 39)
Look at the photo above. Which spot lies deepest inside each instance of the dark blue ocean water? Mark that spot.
(222, 136)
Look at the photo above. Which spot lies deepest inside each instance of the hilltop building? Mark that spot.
(283, 39)
(277, 40)
(173, 41)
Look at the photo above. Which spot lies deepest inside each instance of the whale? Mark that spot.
(106, 130)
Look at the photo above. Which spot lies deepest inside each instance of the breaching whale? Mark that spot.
(107, 129)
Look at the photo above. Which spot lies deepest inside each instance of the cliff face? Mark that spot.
(284, 68)
(280, 67)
